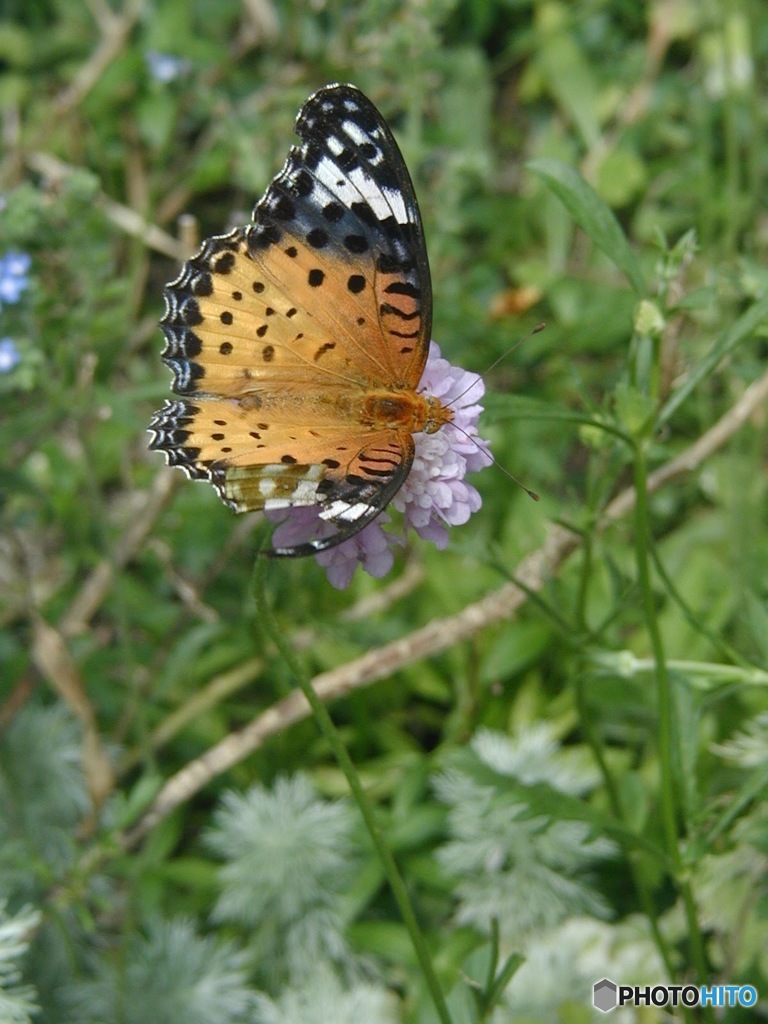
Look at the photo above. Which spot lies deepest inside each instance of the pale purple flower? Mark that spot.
(371, 548)
(14, 268)
(297, 525)
(9, 355)
(433, 497)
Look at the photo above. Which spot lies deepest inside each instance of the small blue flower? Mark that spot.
(14, 268)
(164, 67)
(9, 355)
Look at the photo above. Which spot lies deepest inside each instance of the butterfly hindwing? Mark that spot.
(353, 475)
(350, 495)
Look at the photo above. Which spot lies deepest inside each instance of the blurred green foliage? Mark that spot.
(598, 760)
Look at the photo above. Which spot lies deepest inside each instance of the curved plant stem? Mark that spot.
(340, 752)
(666, 716)
(638, 878)
(663, 688)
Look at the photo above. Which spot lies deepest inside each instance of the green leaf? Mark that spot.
(543, 799)
(567, 69)
(622, 176)
(500, 407)
(386, 939)
(591, 214)
(744, 328)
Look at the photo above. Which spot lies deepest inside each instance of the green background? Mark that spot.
(573, 772)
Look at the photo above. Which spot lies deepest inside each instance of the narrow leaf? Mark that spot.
(742, 329)
(592, 215)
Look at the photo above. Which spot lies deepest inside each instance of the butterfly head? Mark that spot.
(437, 415)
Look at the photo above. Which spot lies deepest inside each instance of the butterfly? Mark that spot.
(298, 342)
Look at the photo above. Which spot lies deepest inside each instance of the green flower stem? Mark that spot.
(732, 144)
(663, 692)
(705, 676)
(667, 732)
(340, 752)
(642, 886)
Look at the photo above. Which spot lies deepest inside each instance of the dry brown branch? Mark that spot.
(635, 104)
(54, 661)
(115, 29)
(124, 217)
(218, 689)
(377, 602)
(225, 684)
(93, 592)
(260, 24)
(532, 573)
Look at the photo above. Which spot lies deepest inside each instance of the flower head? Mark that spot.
(371, 548)
(9, 355)
(14, 268)
(433, 497)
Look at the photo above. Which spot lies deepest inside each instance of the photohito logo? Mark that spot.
(607, 995)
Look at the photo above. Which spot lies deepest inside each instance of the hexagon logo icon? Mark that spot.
(604, 995)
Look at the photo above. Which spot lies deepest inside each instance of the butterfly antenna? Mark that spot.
(528, 491)
(509, 351)
(481, 376)
(495, 363)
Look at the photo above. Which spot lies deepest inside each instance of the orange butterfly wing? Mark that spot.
(279, 333)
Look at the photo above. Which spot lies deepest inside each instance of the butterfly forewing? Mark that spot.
(277, 331)
(362, 205)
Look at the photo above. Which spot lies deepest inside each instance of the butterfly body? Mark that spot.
(406, 410)
(298, 342)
